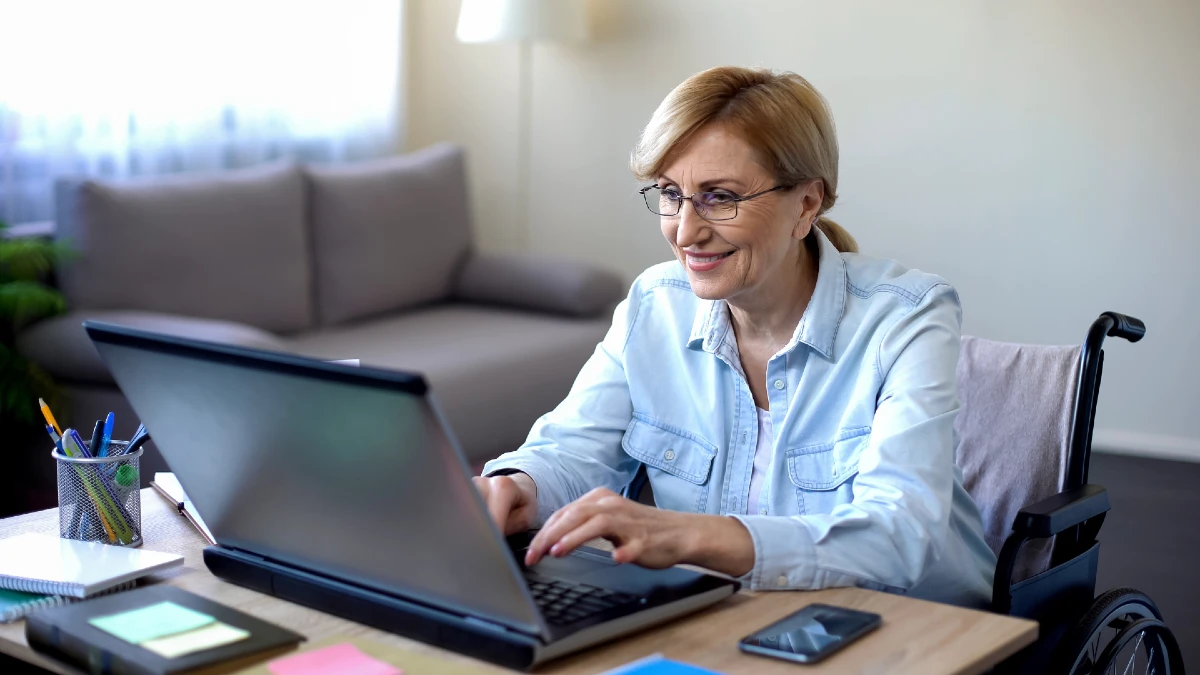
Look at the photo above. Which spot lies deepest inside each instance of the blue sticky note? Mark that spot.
(657, 665)
(153, 621)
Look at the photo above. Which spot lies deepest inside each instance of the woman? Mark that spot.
(792, 401)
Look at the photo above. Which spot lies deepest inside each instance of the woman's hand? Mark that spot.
(648, 536)
(511, 500)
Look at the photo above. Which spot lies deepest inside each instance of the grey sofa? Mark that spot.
(370, 261)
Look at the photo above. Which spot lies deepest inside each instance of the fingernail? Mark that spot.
(555, 550)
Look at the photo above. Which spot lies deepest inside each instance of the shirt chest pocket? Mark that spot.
(678, 463)
(823, 474)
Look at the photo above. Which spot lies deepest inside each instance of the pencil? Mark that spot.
(49, 416)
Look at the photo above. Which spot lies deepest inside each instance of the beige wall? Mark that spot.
(1042, 155)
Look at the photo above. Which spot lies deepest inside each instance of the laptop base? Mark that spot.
(472, 637)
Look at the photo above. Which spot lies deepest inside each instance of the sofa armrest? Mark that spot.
(61, 347)
(543, 283)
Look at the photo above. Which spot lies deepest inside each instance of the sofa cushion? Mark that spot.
(494, 372)
(388, 234)
(62, 348)
(231, 245)
(539, 282)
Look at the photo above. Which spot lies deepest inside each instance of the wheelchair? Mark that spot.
(1119, 631)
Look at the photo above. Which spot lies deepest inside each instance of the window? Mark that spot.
(138, 87)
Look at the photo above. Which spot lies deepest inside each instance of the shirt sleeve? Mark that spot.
(577, 446)
(898, 522)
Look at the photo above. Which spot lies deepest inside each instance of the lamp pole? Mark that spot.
(523, 229)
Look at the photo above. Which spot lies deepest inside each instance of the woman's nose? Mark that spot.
(692, 228)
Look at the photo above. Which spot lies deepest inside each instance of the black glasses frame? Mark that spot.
(700, 210)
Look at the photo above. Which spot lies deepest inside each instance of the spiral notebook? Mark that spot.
(40, 563)
(16, 605)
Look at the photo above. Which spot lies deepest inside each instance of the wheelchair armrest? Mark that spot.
(1061, 511)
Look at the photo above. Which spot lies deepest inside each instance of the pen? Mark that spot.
(139, 439)
(54, 437)
(74, 445)
(49, 416)
(95, 442)
(106, 436)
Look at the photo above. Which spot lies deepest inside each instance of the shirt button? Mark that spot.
(782, 580)
(669, 455)
(779, 384)
(762, 511)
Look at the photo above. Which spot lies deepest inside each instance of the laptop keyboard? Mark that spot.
(565, 602)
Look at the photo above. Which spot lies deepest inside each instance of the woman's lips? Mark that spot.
(706, 262)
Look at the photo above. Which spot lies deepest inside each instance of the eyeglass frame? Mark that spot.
(679, 202)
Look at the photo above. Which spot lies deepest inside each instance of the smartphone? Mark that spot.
(810, 634)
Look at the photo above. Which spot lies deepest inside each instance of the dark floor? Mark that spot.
(1150, 539)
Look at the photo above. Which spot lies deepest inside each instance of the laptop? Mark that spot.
(342, 488)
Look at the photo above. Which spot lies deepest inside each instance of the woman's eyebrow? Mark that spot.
(720, 182)
(708, 184)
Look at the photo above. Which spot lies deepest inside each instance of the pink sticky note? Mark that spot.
(343, 659)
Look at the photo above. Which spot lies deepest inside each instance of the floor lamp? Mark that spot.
(523, 22)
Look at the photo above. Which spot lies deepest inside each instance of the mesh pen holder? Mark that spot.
(99, 498)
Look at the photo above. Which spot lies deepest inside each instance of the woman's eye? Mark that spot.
(671, 193)
(718, 197)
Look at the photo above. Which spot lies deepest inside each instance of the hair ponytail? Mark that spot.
(837, 235)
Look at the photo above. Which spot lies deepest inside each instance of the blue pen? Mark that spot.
(139, 439)
(106, 435)
(56, 438)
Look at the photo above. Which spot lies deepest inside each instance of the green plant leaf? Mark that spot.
(21, 384)
(29, 259)
(25, 301)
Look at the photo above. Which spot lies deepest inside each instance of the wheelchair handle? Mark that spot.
(1124, 326)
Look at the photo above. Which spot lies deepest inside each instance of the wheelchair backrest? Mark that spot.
(1014, 431)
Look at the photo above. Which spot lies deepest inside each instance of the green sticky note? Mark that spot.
(211, 635)
(154, 621)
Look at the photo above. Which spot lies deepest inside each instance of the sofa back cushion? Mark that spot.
(230, 246)
(388, 234)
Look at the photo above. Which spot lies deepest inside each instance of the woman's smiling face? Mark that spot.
(726, 258)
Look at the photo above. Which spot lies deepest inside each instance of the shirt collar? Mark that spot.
(817, 328)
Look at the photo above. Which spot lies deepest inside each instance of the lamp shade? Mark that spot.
(517, 20)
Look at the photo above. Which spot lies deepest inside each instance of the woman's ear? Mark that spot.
(811, 194)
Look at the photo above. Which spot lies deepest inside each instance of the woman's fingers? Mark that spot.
(605, 525)
(605, 504)
(563, 521)
(500, 495)
(630, 551)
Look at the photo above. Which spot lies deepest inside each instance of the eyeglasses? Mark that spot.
(711, 206)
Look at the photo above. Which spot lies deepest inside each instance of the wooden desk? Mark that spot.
(916, 637)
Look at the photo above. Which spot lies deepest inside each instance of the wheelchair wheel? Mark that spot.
(1122, 633)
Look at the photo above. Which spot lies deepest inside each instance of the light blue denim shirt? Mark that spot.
(862, 489)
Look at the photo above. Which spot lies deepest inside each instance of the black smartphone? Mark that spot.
(810, 634)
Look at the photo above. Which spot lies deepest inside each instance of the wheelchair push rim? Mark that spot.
(1123, 634)
(1149, 637)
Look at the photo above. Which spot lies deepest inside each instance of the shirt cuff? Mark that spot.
(786, 556)
(540, 479)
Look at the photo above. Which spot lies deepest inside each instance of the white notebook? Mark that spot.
(40, 563)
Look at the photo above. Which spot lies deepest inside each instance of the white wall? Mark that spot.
(1044, 156)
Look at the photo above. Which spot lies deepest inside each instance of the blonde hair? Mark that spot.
(780, 115)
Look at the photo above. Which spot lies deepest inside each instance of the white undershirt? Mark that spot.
(762, 461)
